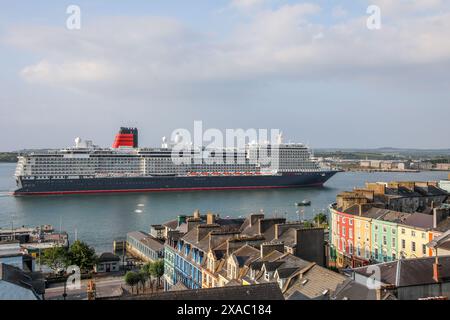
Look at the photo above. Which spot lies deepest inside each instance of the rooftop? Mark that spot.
(266, 291)
(410, 272)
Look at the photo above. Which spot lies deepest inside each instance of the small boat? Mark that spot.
(304, 203)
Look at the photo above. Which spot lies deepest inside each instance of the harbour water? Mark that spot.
(99, 219)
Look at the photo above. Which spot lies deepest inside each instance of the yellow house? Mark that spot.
(214, 263)
(412, 241)
(362, 237)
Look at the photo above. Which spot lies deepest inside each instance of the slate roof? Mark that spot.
(108, 256)
(351, 290)
(410, 272)
(147, 240)
(314, 282)
(32, 281)
(266, 291)
(245, 254)
(419, 220)
(172, 224)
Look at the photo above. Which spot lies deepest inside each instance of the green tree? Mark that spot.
(132, 278)
(143, 277)
(82, 255)
(321, 219)
(55, 258)
(157, 270)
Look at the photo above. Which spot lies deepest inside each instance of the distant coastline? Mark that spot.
(8, 157)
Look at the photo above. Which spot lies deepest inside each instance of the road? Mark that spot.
(106, 287)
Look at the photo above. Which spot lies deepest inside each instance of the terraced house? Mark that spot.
(389, 221)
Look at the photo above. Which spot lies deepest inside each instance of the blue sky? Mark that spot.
(309, 68)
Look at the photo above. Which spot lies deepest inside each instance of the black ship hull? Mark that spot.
(155, 184)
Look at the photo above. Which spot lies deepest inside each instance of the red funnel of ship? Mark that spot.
(127, 137)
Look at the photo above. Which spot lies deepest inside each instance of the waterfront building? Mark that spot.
(208, 251)
(416, 232)
(385, 235)
(144, 246)
(13, 254)
(187, 250)
(16, 284)
(385, 222)
(107, 262)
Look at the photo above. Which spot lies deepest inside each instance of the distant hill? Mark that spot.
(385, 153)
(8, 157)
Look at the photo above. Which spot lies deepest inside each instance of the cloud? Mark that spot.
(151, 54)
(246, 5)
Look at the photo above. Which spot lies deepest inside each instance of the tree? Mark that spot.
(132, 278)
(82, 255)
(143, 277)
(157, 270)
(321, 219)
(55, 258)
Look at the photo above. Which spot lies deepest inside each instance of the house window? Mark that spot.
(403, 244)
(376, 253)
(267, 275)
(384, 240)
(343, 231)
(393, 231)
(403, 231)
(350, 233)
(424, 249)
(376, 237)
(376, 228)
(384, 229)
(394, 256)
(423, 235)
(413, 233)
(367, 226)
(413, 246)
(367, 253)
(350, 222)
(358, 250)
(343, 219)
(350, 248)
(393, 242)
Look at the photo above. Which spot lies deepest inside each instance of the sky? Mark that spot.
(312, 69)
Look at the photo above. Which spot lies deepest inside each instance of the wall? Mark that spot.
(420, 238)
(385, 239)
(424, 291)
(311, 245)
(362, 237)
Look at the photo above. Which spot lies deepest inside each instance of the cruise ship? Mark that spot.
(125, 167)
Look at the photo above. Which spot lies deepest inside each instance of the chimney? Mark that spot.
(360, 210)
(265, 224)
(216, 238)
(192, 223)
(204, 229)
(437, 270)
(281, 228)
(197, 214)
(269, 247)
(210, 218)
(255, 217)
(181, 220)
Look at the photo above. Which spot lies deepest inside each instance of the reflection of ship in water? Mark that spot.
(35, 238)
